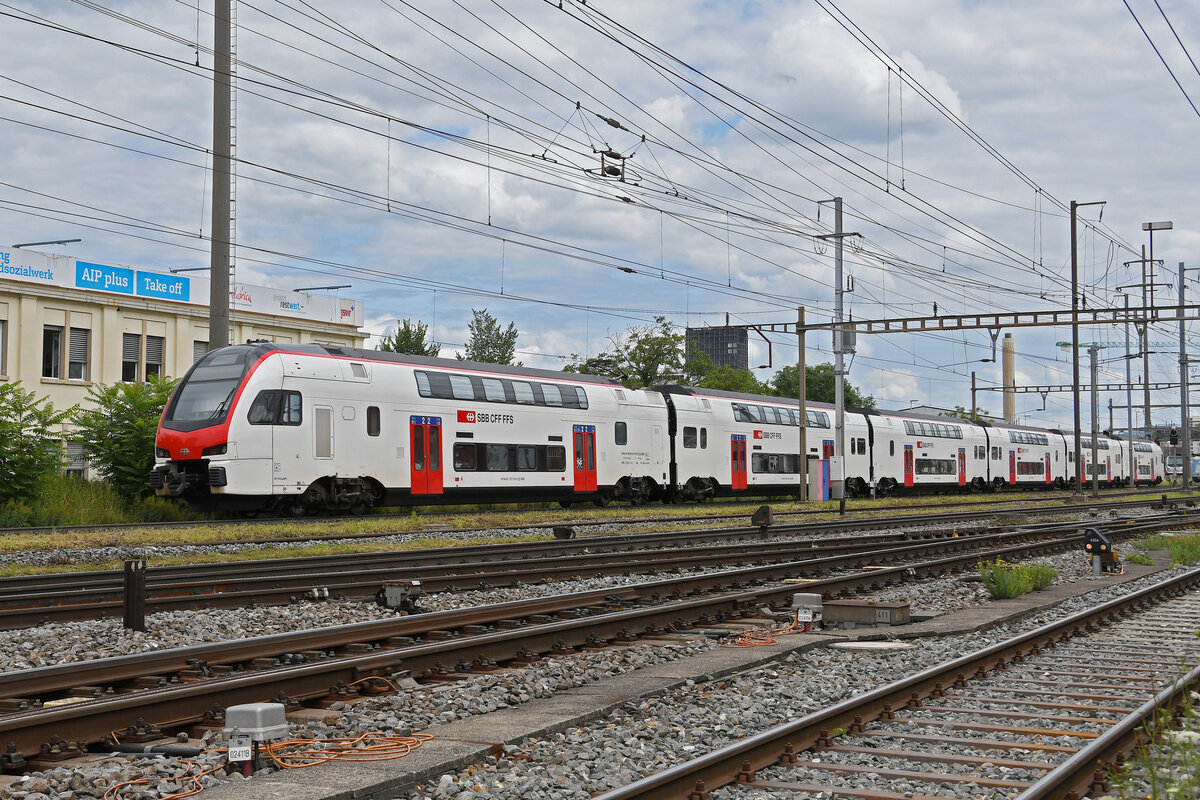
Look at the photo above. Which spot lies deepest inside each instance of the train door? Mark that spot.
(426, 463)
(827, 448)
(737, 461)
(1048, 478)
(1012, 467)
(584, 438)
(908, 465)
(962, 466)
(1108, 469)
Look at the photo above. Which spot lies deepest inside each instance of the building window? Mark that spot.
(3, 347)
(154, 356)
(76, 463)
(52, 351)
(199, 350)
(77, 356)
(131, 354)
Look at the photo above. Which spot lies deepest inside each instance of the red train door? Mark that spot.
(1048, 479)
(1108, 469)
(737, 461)
(962, 466)
(908, 465)
(426, 463)
(584, 437)
(827, 449)
(1012, 467)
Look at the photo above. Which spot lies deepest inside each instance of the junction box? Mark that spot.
(865, 613)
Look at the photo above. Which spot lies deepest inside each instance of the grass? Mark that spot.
(1184, 549)
(1139, 558)
(1004, 580)
(1167, 761)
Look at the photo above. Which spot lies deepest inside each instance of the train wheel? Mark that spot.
(565, 503)
(602, 500)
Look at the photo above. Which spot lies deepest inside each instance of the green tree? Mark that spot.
(488, 342)
(644, 356)
(117, 431)
(733, 380)
(818, 386)
(962, 413)
(30, 441)
(409, 337)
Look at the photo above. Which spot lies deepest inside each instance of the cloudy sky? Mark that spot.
(446, 156)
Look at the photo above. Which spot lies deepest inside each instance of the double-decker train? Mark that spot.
(313, 428)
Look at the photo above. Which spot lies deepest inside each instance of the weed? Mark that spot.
(1004, 580)
(1140, 558)
(1153, 542)
(1167, 762)
(1184, 549)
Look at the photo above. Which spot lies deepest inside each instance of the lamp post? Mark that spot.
(1075, 337)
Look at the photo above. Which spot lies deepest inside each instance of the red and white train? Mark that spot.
(312, 428)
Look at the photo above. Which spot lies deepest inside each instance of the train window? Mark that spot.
(770, 415)
(372, 420)
(526, 457)
(935, 466)
(853, 447)
(323, 432)
(418, 448)
(756, 413)
(740, 414)
(523, 393)
(552, 394)
(556, 458)
(423, 385)
(620, 433)
(461, 388)
(493, 390)
(689, 437)
(464, 457)
(275, 407)
(581, 397)
(891, 448)
(497, 458)
(704, 438)
(358, 370)
(265, 408)
(818, 419)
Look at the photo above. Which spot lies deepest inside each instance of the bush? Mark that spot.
(1154, 542)
(1139, 558)
(117, 431)
(30, 451)
(1004, 580)
(160, 509)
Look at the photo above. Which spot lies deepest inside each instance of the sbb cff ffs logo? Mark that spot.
(466, 416)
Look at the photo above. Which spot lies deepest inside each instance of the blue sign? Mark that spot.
(166, 287)
(104, 278)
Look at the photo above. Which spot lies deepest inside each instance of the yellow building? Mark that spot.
(66, 324)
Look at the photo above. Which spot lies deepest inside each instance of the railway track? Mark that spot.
(1047, 715)
(59, 711)
(28, 600)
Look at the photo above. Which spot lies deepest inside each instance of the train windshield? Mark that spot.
(206, 393)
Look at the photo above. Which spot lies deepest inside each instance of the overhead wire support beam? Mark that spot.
(1066, 387)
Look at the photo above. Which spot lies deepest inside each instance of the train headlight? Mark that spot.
(215, 450)
(162, 452)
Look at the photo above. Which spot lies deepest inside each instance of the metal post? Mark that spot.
(802, 391)
(839, 346)
(1184, 411)
(1075, 347)
(135, 595)
(974, 416)
(218, 293)
(1128, 382)
(1146, 342)
(1094, 351)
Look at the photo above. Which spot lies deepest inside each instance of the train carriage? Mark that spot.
(312, 427)
(921, 454)
(1023, 457)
